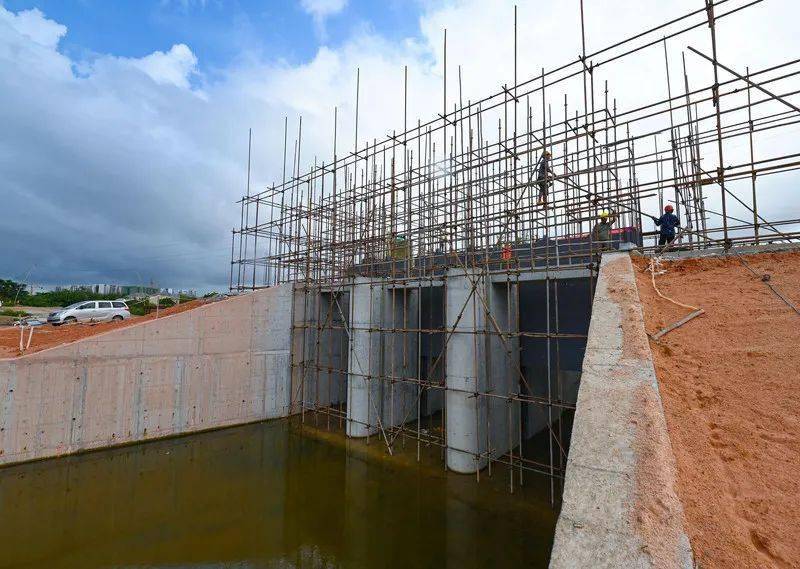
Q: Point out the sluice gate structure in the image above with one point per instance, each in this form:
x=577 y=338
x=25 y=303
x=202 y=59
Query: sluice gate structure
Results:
x=443 y=275
x=446 y=291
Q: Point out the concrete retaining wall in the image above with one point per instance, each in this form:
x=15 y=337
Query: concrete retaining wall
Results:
x=620 y=507
x=222 y=364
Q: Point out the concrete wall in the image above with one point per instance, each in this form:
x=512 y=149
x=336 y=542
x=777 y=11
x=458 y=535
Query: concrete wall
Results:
x=620 y=507
x=222 y=364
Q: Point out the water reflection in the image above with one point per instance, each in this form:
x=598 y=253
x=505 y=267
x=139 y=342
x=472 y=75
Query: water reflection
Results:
x=267 y=495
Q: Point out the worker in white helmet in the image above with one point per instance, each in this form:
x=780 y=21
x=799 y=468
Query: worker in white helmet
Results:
x=601 y=234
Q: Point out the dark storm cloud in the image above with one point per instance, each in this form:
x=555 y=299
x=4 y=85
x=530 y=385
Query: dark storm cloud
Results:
x=106 y=176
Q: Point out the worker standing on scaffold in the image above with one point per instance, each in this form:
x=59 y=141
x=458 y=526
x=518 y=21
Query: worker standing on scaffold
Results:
x=542 y=172
x=667 y=223
x=602 y=229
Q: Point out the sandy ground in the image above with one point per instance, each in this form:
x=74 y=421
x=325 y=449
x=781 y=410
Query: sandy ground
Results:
x=730 y=384
x=49 y=336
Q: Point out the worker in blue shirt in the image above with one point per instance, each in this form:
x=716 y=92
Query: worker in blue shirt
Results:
x=667 y=222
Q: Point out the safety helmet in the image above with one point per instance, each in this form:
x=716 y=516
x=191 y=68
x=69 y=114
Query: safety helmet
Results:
x=603 y=214
x=668 y=208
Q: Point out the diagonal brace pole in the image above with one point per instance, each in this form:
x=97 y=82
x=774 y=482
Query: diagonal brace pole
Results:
x=747 y=80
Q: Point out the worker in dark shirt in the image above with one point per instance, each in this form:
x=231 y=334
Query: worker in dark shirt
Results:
x=542 y=173
x=601 y=233
x=667 y=224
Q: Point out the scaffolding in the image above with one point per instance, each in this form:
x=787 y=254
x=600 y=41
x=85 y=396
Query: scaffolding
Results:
x=414 y=251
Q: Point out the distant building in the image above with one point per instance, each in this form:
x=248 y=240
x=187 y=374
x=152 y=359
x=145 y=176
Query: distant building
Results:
x=107 y=289
x=119 y=290
x=128 y=290
x=176 y=292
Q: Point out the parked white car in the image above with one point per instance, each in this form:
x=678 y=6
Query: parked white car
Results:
x=90 y=311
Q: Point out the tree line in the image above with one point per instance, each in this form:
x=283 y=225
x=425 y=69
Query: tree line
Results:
x=12 y=292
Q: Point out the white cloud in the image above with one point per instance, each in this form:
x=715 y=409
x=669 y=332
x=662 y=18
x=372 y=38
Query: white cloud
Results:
x=322 y=9
x=174 y=67
x=116 y=171
x=33 y=25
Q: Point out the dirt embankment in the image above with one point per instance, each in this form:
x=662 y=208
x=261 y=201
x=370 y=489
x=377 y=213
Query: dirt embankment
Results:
x=49 y=336
x=730 y=384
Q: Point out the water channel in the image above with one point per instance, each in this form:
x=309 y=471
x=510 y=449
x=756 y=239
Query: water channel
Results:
x=272 y=495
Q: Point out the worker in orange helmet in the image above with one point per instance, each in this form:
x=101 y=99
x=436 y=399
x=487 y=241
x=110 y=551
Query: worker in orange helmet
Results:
x=667 y=222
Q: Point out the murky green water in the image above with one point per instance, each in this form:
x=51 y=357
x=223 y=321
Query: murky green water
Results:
x=267 y=495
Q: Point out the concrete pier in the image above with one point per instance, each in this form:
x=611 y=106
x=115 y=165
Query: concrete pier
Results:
x=478 y=426
x=380 y=348
x=364 y=365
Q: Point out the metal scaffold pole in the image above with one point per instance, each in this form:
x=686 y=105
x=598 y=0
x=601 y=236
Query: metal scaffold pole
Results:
x=414 y=257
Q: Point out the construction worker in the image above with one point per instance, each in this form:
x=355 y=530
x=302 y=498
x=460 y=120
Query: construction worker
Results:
x=602 y=229
x=667 y=222
x=542 y=172
x=400 y=248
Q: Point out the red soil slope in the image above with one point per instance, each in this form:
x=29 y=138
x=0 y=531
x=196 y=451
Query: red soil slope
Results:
x=730 y=384
x=49 y=336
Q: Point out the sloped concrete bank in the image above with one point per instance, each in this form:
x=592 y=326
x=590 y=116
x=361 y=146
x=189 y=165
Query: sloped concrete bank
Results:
x=218 y=365
x=620 y=505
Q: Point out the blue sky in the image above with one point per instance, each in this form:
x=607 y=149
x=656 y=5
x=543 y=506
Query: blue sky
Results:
x=218 y=31
x=123 y=147
x=146 y=105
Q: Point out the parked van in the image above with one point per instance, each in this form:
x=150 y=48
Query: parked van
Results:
x=90 y=311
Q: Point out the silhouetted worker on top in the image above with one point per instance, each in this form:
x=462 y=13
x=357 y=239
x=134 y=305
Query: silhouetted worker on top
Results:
x=667 y=224
x=542 y=172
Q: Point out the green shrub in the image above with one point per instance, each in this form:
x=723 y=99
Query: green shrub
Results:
x=12 y=312
x=139 y=307
x=65 y=297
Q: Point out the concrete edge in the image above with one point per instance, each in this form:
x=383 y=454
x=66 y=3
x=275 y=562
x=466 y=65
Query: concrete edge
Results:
x=114 y=330
x=152 y=439
x=620 y=504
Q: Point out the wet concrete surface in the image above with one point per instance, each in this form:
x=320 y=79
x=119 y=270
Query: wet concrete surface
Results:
x=272 y=495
